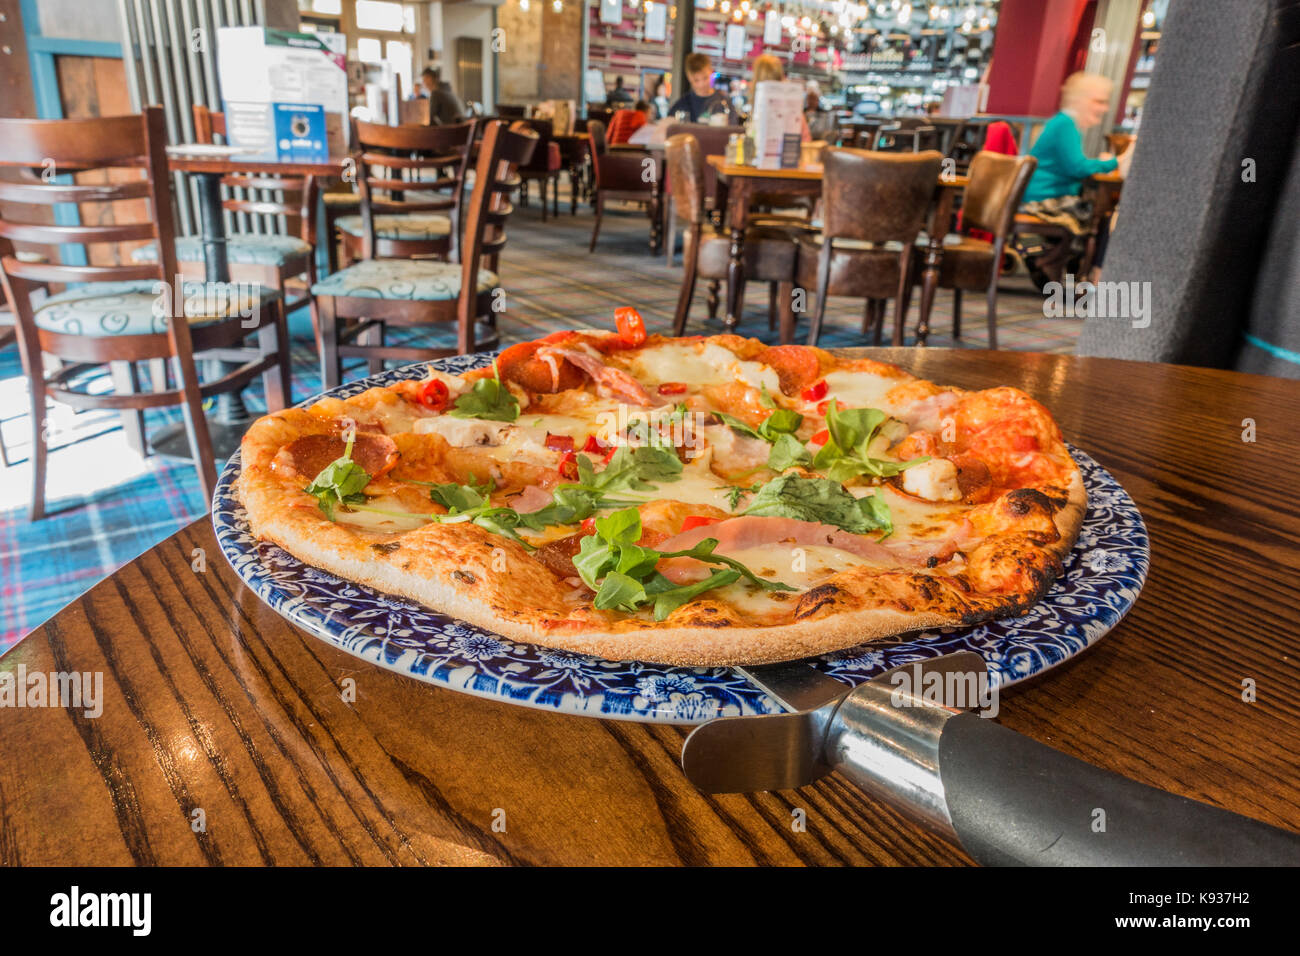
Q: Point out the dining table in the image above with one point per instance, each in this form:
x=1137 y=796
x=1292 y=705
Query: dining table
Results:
x=209 y=166
x=229 y=736
x=740 y=184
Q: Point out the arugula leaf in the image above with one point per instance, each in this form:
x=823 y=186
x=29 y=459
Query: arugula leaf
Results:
x=623 y=575
x=765 y=397
x=822 y=500
x=736 y=425
x=488 y=398
x=339 y=483
x=632 y=468
x=471 y=503
x=845 y=454
x=783 y=421
x=671 y=598
x=788 y=452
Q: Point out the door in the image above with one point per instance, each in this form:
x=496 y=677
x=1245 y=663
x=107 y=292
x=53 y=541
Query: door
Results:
x=469 y=68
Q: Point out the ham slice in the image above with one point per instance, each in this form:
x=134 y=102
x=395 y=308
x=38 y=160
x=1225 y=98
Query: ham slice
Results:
x=610 y=382
x=739 y=534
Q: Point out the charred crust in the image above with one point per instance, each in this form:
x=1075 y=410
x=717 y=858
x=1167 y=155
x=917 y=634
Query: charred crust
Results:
x=1025 y=501
x=814 y=599
x=465 y=577
x=386 y=547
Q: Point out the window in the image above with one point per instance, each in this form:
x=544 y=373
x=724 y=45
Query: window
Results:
x=368 y=50
x=382 y=15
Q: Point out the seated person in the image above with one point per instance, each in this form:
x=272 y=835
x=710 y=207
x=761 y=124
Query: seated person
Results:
x=701 y=101
x=444 y=106
x=626 y=122
x=618 y=96
x=1053 y=190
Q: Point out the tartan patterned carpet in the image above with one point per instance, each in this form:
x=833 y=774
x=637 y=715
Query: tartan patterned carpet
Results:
x=109 y=505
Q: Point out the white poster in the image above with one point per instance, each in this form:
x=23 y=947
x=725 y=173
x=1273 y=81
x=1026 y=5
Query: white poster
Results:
x=778 y=108
x=772 y=29
x=735 y=42
x=593 y=86
x=611 y=11
x=656 y=22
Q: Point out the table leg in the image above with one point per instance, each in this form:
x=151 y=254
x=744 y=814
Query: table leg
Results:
x=734 y=208
x=656 y=216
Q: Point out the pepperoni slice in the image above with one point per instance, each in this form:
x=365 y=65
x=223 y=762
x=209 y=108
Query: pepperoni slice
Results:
x=309 y=455
x=795 y=365
x=520 y=364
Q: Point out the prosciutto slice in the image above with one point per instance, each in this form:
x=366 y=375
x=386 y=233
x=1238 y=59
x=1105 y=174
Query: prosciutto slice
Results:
x=610 y=382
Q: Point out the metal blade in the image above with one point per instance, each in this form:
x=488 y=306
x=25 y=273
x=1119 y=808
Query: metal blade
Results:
x=784 y=751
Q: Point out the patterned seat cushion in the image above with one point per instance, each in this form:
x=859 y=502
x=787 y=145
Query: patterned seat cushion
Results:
x=409 y=226
x=416 y=279
x=341 y=200
x=245 y=249
x=141 y=307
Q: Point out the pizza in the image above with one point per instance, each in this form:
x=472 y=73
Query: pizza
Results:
x=707 y=500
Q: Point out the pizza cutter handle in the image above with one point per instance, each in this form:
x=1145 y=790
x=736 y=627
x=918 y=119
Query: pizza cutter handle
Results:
x=1010 y=800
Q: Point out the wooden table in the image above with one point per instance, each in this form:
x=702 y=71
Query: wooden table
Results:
x=231 y=419
x=739 y=185
x=212 y=701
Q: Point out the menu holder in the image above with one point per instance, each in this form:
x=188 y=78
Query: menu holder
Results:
x=778 y=114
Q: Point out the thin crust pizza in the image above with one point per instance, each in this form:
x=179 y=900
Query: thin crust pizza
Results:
x=692 y=501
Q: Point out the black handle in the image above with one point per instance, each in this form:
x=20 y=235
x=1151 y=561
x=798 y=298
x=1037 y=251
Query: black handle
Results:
x=1014 y=801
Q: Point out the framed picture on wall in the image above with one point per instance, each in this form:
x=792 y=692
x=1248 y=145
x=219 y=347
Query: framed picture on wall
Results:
x=611 y=11
x=735 y=49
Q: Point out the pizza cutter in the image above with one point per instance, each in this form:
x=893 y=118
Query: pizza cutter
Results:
x=1005 y=798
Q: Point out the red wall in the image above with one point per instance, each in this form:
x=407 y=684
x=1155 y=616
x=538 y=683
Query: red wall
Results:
x=1038 y=44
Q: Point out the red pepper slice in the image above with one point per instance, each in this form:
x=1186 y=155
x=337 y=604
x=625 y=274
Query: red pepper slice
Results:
x=433 y=394
x=672 y=388
x=822 y=437
x=609 y=453
x=569 y=466
x=559 y=442
x=822 y=407
x=593 y=444
x=697 y=521
x=815 y=391
x=630 y=326
x=589 y=525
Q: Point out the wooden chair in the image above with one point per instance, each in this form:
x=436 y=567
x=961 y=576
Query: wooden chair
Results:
x=122 y=314
x=402 y=212
x=419 y=292
x=545 y=166
x=270 y=258
x=874 y=206
x=706 y=251
x=713 y=142
x=992 y=197
x=618 y=176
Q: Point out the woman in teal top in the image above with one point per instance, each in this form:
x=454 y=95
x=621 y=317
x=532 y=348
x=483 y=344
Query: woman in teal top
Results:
x=1053 y=190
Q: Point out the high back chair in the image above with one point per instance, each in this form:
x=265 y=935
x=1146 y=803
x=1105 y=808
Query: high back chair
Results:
x=706 y=251
x=972 y=263
x=269 y=258
x=402 y=212
x=124 y=313
x=713 y=142
x=617 y=176
x=420 y=292
x=874 y=205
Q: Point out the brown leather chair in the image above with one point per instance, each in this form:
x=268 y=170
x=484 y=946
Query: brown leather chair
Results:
x=545 y=166
x=875 y=204
x=996 y=186
x=706 y=252
x=618 y=176
x=713 y=142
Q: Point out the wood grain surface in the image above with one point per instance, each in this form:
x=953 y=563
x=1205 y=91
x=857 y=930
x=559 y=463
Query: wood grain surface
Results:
x=212 y=702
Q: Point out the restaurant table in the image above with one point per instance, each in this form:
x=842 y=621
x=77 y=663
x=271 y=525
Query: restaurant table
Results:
x=738 y=185
x=231 y=420
x=213 y=702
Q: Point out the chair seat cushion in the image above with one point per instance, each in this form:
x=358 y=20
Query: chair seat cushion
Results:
x=338 y=201
x=135 y=308
x=413 y=226
x=242 y=250
x=858 y=268
x=416 y=279
x=967 y=262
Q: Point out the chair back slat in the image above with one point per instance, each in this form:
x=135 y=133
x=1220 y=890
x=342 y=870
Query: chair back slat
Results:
x=875 y=196
x=42 y=195
x=58 y=235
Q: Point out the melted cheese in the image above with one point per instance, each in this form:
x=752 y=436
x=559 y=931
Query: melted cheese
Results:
x=699 y=366
x=377 y=523
x=915 y=519
x=859 y=389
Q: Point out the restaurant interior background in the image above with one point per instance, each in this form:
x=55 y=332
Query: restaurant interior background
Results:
x=1220 y=265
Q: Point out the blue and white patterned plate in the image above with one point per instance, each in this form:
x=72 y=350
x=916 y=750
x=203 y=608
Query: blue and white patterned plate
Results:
x=1103 y=576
